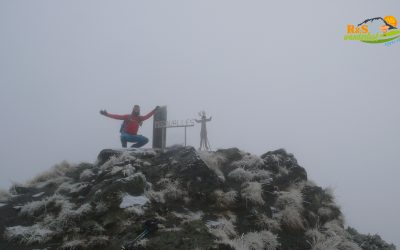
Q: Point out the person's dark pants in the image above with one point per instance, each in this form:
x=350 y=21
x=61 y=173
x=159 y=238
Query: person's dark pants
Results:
x=138 y=140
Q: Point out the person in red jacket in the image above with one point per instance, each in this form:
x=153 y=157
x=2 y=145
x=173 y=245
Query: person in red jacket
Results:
x=130 y=126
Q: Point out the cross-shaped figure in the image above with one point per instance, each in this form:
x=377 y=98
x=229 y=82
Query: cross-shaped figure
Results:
x=204 y=143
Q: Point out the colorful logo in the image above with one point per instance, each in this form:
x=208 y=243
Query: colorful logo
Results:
x=374 y=30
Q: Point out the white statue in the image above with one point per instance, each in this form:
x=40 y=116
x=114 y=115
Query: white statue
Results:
x=204 y=143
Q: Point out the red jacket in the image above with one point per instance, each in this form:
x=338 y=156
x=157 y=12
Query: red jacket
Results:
x=131 y=121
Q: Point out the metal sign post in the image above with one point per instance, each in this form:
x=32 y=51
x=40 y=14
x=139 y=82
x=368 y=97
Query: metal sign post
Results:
x=164 y=124
x=159 y=133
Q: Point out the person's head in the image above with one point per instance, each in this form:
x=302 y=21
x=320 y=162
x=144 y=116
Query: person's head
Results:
x=136 y=110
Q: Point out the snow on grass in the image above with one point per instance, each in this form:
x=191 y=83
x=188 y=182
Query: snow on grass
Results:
x=189 y=216
x=325 y=212
x=263 y=176
x=336 y=227
x=115 y=170
x=128 y=170
x=241 y=175
x=136 y=176
x=36 y=207
x=72 y=188
x=68 y=216
x=225 y=199
x=290 y=218
x=263 y=240
x=214 y=161
x=58 y=170
x=86 y=175
x=141 y=151
x=93 y=242
x=58 y=212
x=223 y=229
x=283 y=171
x=126 y=157
x=156 y=196
x=74 y=244
x=290 y=198
x=270 y=224
x=142 y=243
x=275 y=157
x=249 y=162
x=146 y=164
x=170 y=190
x=28 y=235
x=291 y=205
x=332 y=237
x=252 y=192
x=101 y=207
x=111 y=162
x=172 y=229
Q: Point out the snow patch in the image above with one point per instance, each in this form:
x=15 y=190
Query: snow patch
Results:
x=134 y=204
x=28 y=235
x=132 y=201
x=38 y=194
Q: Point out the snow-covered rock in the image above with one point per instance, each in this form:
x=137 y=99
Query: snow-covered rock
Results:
x=222 y=200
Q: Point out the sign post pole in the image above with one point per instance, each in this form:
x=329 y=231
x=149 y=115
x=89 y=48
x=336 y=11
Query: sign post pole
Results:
x=185 y=136
x=159 y=133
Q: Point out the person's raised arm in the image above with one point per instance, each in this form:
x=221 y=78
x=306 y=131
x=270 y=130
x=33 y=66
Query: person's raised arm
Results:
x=145 y=117
x=118 y=117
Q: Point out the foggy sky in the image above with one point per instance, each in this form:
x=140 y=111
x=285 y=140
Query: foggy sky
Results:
x=272 y=74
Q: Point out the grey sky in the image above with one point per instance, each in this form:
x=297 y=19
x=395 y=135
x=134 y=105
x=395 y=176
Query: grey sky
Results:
x=272 y=75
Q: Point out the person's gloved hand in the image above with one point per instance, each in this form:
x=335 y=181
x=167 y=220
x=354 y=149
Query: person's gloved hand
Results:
x=103 y=112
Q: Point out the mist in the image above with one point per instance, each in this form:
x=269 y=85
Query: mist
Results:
x=272 y=75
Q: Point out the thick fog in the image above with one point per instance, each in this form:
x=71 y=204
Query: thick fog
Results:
x=271 y=74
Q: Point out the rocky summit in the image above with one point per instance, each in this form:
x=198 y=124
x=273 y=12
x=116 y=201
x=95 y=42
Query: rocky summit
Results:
x=177 y=198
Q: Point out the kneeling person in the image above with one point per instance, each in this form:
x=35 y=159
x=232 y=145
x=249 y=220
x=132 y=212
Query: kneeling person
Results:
x=130 y=126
